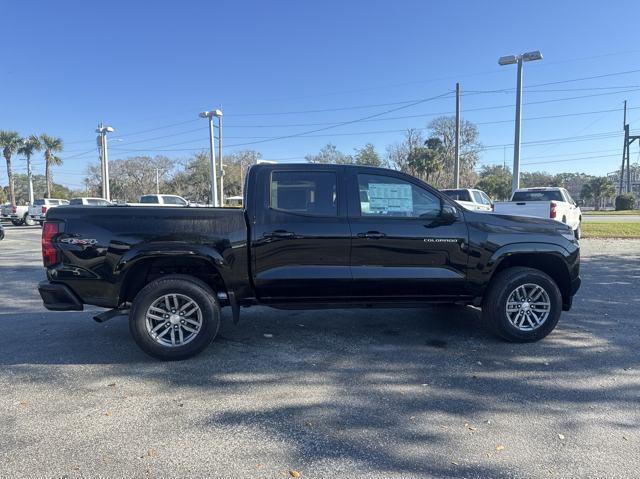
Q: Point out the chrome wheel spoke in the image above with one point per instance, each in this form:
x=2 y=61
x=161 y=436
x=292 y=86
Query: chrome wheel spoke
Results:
x=528 y=306
x=168 y=322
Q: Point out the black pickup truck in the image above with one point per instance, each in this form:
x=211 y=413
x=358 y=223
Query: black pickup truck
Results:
x=310 y=236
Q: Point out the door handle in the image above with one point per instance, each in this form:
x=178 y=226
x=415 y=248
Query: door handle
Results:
x=279 y=234
x=371 y=235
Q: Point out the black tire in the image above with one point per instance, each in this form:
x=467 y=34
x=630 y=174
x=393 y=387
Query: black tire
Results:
x=28 y=220
x=495 y=303
x=17 y=222
x=188 y=286
x=1 y=234
x=578 y=231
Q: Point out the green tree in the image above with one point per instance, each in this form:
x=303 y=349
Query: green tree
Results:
x=131 y=178
x=367 y=155
x=428 y=160
x=329 y=154
x=495 y=181
x=532 y=179
x=236 y=165
x=194 y=182
x=10 y=142
x=444 y=128
x=598 y=189
x=39 y=188
x=51 y=145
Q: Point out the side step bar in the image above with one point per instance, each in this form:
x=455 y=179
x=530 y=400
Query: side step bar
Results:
x=112 y=313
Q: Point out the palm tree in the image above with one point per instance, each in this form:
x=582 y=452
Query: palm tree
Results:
x=598 y=188
x=28 y=146
x=10 y=142
x=51 y=145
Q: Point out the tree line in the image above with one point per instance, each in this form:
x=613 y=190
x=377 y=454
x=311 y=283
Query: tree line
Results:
x=429 y=156
x=12 y=143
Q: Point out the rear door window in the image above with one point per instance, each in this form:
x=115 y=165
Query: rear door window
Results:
x=148 y=199
x=304 y=192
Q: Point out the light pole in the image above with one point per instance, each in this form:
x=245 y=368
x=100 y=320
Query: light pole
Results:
x=218 y=114
x=509 y=60
x=212 y=154
x=102 y=130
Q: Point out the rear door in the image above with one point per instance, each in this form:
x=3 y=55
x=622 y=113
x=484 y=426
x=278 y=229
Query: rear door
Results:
x=402 y=246
x=300 y=234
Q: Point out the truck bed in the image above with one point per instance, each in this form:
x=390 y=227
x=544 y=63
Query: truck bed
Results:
x=105 y=243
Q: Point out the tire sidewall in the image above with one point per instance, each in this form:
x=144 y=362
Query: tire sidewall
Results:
x=509 y=284
x=204 y=298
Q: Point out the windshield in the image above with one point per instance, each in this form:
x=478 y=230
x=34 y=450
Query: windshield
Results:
x=540 y=195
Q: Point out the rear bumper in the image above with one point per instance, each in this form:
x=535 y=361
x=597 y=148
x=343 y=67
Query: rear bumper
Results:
x=59 y=297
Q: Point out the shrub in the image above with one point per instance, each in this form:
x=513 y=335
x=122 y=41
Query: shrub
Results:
x=625 y=202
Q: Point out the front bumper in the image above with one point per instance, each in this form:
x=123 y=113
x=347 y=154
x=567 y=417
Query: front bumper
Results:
x=59 y=297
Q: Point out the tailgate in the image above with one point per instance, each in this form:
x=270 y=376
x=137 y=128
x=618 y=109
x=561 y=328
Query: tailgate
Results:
x=537 y=209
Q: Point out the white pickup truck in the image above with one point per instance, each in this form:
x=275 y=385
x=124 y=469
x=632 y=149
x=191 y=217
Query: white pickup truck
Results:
x=475 y=200
x=549 y=202
x=39 y=209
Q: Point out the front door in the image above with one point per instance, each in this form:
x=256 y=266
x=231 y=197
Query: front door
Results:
x=402 y=245
x=301 y=237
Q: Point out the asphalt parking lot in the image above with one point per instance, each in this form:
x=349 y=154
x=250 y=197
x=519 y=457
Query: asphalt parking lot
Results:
x=345 y=393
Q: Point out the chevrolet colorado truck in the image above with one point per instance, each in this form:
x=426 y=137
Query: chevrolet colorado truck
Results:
x=309 y=236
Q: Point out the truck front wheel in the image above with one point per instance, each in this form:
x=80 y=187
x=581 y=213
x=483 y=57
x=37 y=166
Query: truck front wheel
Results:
x=522 y=304
x=174 y=317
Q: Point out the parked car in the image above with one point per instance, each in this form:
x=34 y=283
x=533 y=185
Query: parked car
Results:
x=549 y=202
x=164 y=200
x=20 y=216
x=5 y=211
x=38 y=210
x=89 y=202
x=309 y=236
x=1 y=232
x=475 y=200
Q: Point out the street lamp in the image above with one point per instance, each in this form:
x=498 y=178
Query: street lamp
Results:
x=509 y=60
x=102 y=131
x=212 y=153
x=218 y=115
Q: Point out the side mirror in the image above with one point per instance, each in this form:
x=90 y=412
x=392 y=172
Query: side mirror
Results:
x=448 y=212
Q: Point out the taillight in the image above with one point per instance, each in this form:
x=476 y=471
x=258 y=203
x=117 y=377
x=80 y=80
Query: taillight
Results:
x=43 y=210
x=14 y=209
x=50 y=255
x=552 y=209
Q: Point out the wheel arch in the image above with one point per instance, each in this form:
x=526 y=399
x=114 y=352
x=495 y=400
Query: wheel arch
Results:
x=141 y=271
x=550 y=261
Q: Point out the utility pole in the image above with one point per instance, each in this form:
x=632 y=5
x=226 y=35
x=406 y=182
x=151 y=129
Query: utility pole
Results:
x=456 y=168
x=220 y=157
x=157 y=181
x=212 y=155
x=103 y=130
x=628 y=139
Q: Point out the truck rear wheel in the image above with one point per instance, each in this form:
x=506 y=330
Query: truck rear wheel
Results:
x=174 y=317
x=522 y=304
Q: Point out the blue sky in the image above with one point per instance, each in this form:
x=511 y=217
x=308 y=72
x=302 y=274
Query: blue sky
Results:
x=148 y=68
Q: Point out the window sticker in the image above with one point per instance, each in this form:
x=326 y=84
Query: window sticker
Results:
x=387 y=198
